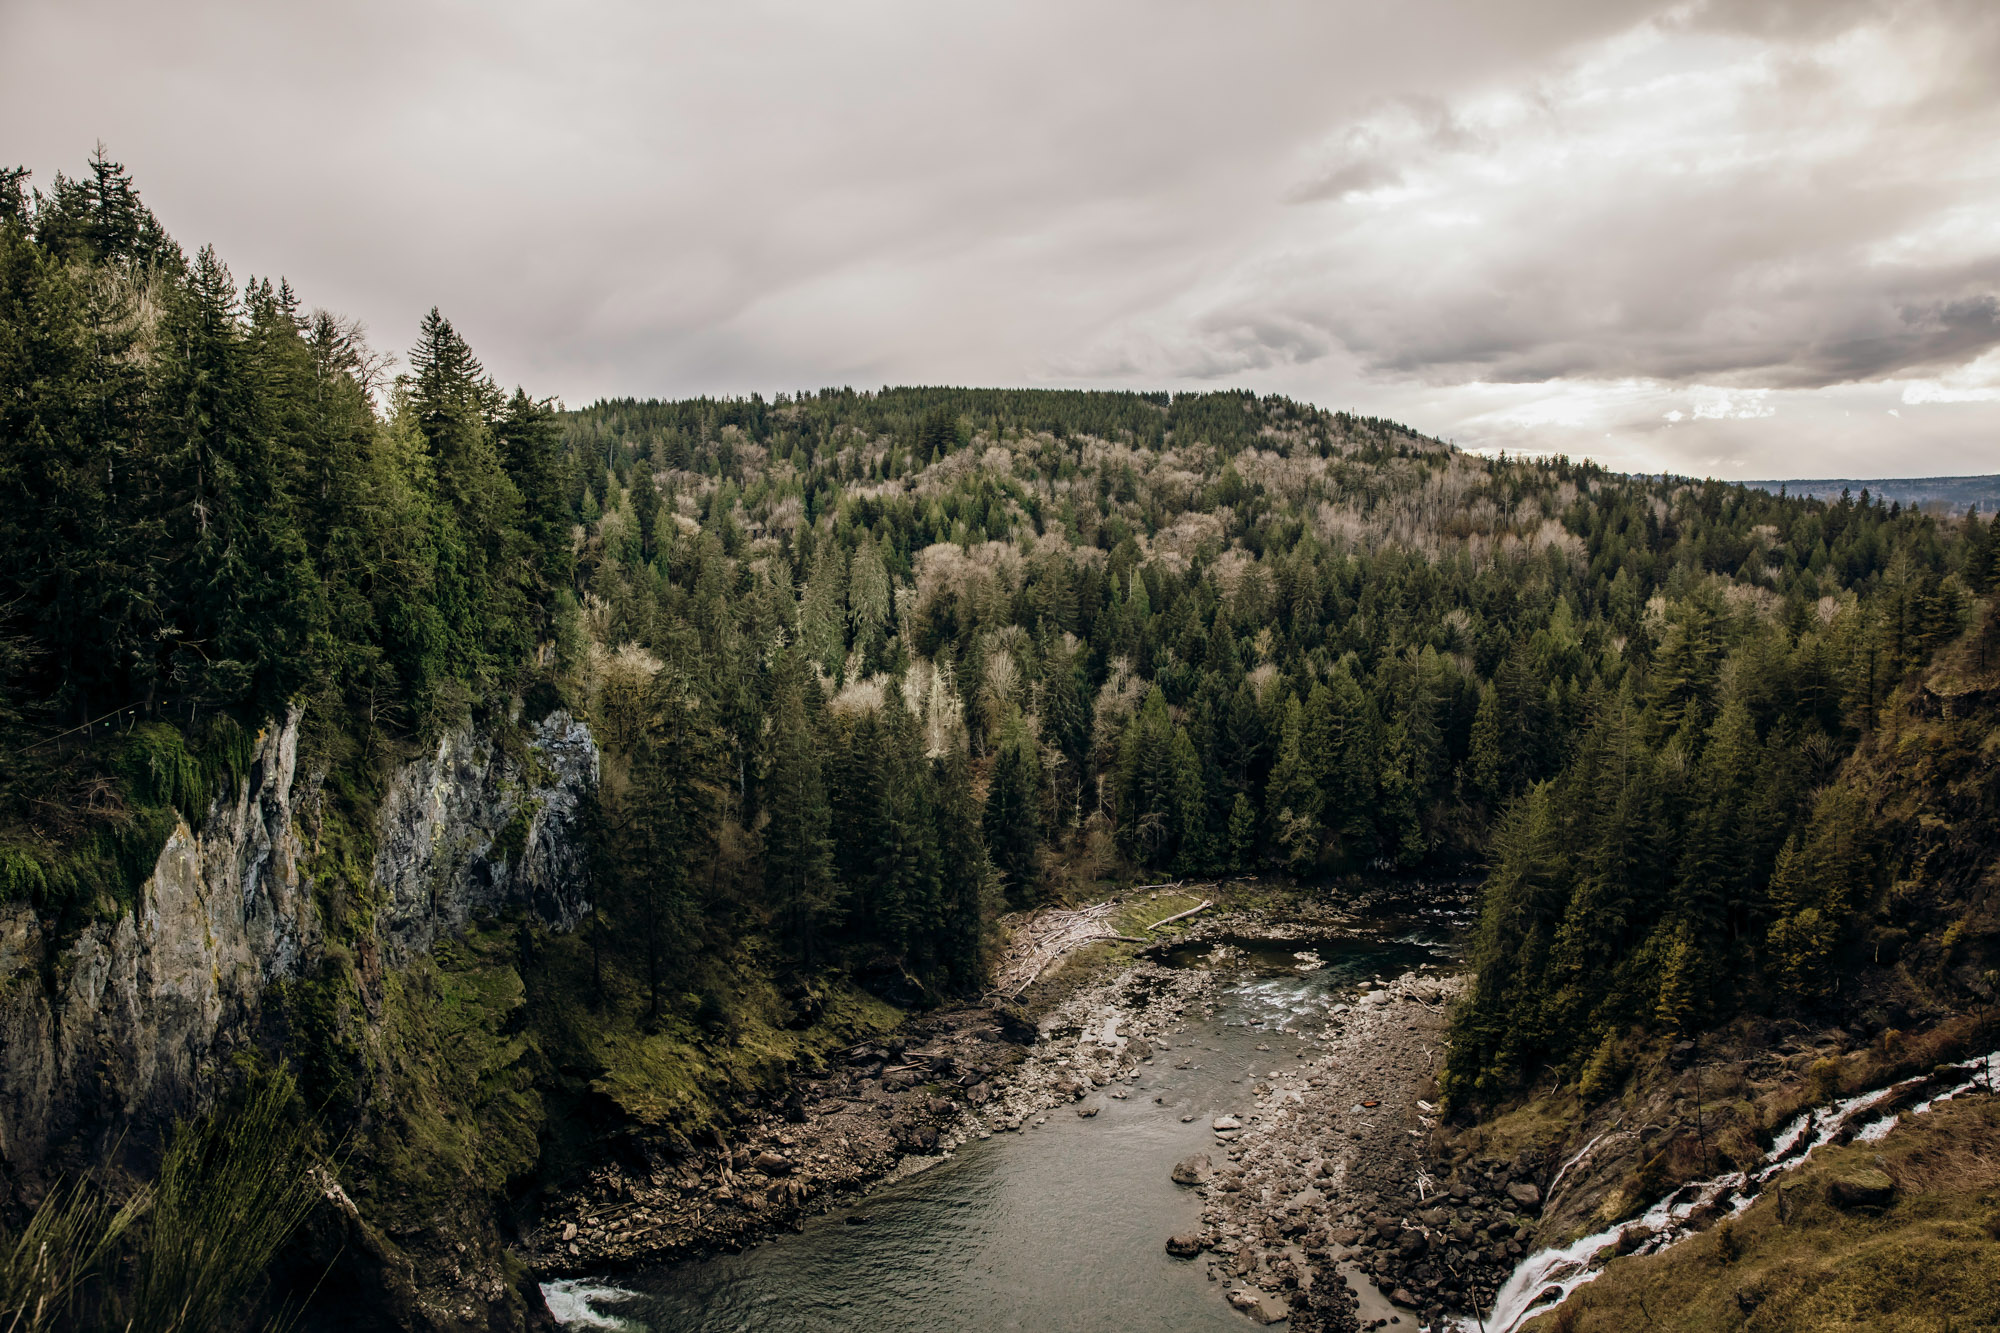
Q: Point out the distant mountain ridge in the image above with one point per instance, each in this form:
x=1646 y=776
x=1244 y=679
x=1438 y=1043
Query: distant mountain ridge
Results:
x=1954 y=493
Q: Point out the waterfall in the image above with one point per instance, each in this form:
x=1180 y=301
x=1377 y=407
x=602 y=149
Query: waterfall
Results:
x=1573 y=1265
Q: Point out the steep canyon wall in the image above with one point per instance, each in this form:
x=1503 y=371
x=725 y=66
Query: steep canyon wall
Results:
x=109 y=1034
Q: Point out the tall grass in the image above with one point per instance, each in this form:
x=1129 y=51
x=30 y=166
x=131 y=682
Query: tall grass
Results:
x=231 y=1192
x=187 y=1254
x=45 y=1273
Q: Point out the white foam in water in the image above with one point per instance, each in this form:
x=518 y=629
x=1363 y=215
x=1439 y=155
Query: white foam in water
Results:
x=1574 y=1264
x=1788 y=1137
x=574 y=1301
x=1582 y=1153
x=1983 y=1081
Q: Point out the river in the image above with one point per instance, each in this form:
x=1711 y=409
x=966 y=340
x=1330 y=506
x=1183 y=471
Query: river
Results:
x=1059 y=1227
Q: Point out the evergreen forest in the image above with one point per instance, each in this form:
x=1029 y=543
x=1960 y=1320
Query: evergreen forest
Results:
x=871 y=668
x=1003 y=640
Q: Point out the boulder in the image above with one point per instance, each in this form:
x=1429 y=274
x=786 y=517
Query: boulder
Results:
x=1089 y=1107
x=1270 y=1309
x=1631 y=1238
x=1222 y=1122
x=1411 y=1245
x=1193 y=1170
x=1525 y=1195
x=1706 y=1216
x=1015 y=1025
x=1864 y=1187
x=772 y=1164
x=1184 y=1246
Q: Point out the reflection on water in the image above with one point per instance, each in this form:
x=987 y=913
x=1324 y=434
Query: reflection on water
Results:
x=1343 y=958
x=1060 y=1227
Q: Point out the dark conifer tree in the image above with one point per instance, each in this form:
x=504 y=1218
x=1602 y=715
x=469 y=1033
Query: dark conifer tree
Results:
x=530 y=447
x=74 y=573
x=798 y=849
x=967 y=877
x=1292 y=801
x=666 y=830
x=1009 y=820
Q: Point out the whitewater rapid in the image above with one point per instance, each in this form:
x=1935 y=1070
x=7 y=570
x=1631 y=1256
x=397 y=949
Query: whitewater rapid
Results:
x=1547 y=1277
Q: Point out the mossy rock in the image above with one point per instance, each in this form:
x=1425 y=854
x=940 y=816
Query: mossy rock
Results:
x=1015 y=1023
x=1860 y=1187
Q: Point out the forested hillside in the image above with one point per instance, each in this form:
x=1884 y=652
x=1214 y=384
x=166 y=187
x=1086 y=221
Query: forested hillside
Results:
x=869 y=667
x=1201 y=633
x=1227 y=634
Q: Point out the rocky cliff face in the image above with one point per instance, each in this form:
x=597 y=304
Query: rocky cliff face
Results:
x=468 y=830
x=125 y=1025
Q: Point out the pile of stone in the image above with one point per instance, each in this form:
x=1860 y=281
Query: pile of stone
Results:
x=1093 y=1045
x=1444 y=1258
x=887 y=1109
x=1319 y=1202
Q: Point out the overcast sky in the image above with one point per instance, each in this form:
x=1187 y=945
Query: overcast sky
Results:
x=1755 y=239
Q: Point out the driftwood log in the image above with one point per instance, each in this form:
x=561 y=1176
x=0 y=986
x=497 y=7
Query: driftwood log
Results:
x=1178 y=915
x=1046 y=937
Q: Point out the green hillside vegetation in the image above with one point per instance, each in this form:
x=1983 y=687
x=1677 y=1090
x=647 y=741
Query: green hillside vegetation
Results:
x=1928 y=1259
x=1196 y=634
x=1783 y=842
x=869 y=668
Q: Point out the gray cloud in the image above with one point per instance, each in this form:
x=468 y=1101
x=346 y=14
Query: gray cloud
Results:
x=1785 y=217
x=1377 y=206
x=1338 y=182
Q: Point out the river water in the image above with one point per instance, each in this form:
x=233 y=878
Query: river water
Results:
x=1060 y=1227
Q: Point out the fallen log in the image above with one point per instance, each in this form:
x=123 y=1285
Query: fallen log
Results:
x=1178 y=915
x=1048 y=937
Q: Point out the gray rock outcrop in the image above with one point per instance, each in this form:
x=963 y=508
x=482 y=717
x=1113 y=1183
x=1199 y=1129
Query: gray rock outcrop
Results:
x=127 y=1020
x=467 y=831
x=124 y=1024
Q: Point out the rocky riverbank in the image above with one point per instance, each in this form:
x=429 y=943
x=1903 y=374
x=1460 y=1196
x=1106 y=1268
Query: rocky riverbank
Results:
x=1317 y=1203
x=892 y=1109
x=1319 y=1207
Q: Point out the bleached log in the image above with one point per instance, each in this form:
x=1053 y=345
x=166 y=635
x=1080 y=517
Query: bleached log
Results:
x=1178 y=915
